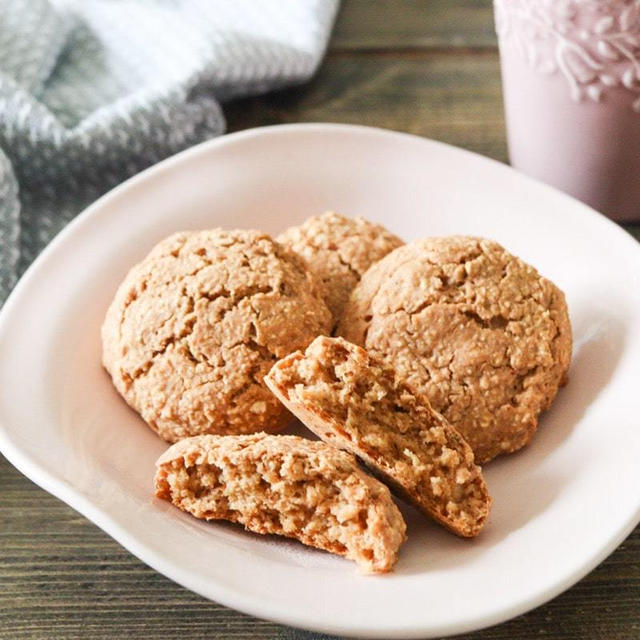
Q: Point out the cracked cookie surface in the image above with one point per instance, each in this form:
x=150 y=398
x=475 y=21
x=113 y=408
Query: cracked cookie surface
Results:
x=289 y=486
x=477 y=330
x=195 y=326
x=354 y=401
x=338 y=251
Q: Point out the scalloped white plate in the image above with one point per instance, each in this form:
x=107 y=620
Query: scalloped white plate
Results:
x=561 y=506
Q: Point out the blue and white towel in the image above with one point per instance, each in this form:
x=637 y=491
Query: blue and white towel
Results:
x=93 y=91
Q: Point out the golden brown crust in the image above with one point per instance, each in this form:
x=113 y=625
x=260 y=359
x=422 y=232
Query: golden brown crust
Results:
x=288 y=486
x=477 y=330
x=338 y=251
x=196 y=325
x=353 y=401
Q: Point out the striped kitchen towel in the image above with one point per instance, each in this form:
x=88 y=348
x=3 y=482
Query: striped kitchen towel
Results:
x=93 y=91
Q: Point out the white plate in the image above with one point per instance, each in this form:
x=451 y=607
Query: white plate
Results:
x=561 y=506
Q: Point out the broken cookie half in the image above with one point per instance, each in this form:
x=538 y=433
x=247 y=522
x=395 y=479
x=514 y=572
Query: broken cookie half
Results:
x=285 y=485
x=354 y=401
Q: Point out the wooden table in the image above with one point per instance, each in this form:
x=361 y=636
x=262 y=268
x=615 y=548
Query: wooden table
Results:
x=428 y=67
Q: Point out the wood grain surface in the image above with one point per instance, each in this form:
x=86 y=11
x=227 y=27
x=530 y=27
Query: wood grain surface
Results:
x=429 y=67
x=366 y=25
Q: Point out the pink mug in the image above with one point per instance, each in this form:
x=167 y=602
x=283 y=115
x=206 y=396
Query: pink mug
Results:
x=571 y=82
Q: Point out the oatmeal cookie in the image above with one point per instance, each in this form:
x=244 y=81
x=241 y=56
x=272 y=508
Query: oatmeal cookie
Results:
x=196 y=325
x=354 y=401
x=338 y=251
x=481 y=333
x=288 y=486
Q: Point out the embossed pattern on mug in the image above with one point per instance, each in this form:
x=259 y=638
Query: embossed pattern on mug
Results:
x=593 y=44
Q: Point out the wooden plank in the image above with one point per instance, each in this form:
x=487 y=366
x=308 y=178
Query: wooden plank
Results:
x=405 y=24
x=62 y=577
x=456 y=99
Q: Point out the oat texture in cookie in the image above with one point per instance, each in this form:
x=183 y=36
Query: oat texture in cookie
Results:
x=354 y=401
x=481 y=333
x=338 y=251
x=196 y=325
x=288 y=486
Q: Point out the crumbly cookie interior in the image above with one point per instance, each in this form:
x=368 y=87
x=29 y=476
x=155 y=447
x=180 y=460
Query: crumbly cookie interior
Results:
x=288 y=486
x=362 y=404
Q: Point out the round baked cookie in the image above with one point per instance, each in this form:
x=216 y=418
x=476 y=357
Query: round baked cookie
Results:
x=338 y=251
x=197 y=324
x=481 y=333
